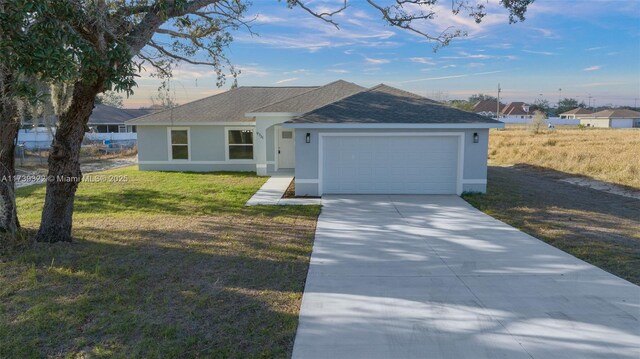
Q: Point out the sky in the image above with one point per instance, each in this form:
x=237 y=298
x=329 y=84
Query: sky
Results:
x=583 y=49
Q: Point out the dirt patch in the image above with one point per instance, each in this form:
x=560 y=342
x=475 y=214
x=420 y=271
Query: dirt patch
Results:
x=37 y=174
x=603 y=186
x=598 y=227
x=291 y=191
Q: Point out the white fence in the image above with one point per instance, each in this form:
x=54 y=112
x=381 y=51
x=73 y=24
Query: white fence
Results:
x=40 y=138
x=552 y=120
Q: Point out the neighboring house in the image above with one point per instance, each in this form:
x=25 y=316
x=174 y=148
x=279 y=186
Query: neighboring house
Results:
x=488 y=108
x=575 y=113
x=614 y=118
x=109 y=119
x=105 y=123
x=516 y=111
x=338 y=138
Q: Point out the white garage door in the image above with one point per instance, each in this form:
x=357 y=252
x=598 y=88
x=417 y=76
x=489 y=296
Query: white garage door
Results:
x=390 y=164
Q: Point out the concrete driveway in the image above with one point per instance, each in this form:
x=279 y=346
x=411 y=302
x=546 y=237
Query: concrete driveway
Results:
x=432 y=277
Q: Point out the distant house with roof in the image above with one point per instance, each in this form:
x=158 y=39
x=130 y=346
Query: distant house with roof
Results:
x=613 y=118
x=575 y=113
x=109 y=119
x=488 y=108
x=516 y=111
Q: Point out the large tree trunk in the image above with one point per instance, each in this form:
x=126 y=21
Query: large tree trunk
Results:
x=9 y=126
x=64 y=165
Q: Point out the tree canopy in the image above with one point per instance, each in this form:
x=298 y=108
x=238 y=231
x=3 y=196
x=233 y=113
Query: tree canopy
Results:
x=567 y=104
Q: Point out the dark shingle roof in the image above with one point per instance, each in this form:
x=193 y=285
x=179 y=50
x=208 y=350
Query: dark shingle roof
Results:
x=313 y=99
x=229 y=106
x=104 y=114
x=515 y=108
x=614 y=113
x=578 y=111
x=385 y=104
x=488 y=106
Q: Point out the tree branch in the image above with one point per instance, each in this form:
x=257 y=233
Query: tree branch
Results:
x=172 y=55
x=324 y=16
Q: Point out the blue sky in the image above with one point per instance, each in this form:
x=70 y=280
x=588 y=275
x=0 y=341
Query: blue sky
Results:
x=584 y=47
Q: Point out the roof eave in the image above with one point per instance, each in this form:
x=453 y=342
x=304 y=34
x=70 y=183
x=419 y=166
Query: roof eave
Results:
x=273 y=114
x=194 y=123
x=481 y=125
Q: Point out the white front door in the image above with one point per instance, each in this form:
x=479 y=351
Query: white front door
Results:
x=286 y=148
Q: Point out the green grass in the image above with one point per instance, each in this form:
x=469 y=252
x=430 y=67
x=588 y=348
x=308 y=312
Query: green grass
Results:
x=165 y=265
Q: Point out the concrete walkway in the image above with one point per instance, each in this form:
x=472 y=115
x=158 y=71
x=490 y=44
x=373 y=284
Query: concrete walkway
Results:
x=272 y=191
x=432 y=277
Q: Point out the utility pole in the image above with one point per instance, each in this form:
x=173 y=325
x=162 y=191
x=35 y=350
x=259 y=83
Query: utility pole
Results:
x=559 y=96
x=590 y=101
x=498 y=104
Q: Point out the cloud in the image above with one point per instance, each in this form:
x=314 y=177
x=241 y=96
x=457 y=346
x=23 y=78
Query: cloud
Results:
x=601 y=84
x=286 y=80
x=449 y=77
x=500 y=46
x=466 y=55
x=339 y=71
x=298 y=71
x=251 y=70
x=446 y=21
x=596 y=48
x=592 y=68
x=422 y=60
x=546 y=53
x=545 y=32
x=373 y=61
x=300 y=31
x=267 y=19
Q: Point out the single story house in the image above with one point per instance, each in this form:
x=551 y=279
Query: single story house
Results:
x=339 y=138
x=516 y=111
x=109 y=119
x=488 y=108
x=614 y=118
x=575 y=113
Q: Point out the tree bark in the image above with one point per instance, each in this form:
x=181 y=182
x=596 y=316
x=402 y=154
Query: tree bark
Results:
x=9 y=126
x=64 y=173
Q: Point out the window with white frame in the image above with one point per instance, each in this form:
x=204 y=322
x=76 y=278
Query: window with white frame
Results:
x=179 y=144
x=240 y=144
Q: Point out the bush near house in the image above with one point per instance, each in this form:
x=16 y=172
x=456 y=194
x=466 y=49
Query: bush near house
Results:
x=164 y=265
x=611 y=155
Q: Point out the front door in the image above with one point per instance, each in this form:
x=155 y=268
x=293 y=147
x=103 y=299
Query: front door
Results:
x=286 y=148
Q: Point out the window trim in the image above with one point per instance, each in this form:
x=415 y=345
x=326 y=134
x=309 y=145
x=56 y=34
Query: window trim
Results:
x=170 y=145
x=253 y=145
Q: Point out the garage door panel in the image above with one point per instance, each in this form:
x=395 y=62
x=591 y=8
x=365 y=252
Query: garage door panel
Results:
x=390 y=164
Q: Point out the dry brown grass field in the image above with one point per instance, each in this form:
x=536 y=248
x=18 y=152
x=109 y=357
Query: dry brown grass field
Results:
x=611 y=155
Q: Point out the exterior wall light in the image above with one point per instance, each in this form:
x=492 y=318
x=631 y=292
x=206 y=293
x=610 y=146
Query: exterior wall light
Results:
x=307 y=138
x=476 y=138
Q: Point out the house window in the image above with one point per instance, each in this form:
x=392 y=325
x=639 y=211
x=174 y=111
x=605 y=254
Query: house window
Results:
x=107 y=128
x=179 y=144
x=240 y=143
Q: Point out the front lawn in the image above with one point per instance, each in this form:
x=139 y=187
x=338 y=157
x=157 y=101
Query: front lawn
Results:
x=164 y=265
